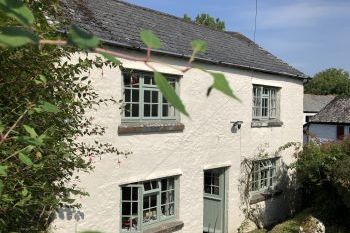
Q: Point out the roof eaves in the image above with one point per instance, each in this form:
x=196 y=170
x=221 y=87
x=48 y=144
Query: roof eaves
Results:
x=115 y=43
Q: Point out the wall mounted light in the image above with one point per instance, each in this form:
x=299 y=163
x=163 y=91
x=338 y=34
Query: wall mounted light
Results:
x=236 y=125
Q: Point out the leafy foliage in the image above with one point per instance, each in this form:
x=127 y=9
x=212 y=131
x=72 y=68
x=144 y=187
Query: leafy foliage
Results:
x=329 y=82
x=150 y=39
x=42 y=112
x=169 y=92
x=324 y=173
x=207 y=20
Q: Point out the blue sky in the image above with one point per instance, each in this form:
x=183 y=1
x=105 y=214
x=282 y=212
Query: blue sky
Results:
x=311 y=35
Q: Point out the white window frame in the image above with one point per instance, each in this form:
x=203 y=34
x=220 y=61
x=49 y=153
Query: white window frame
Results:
x=160 y=192
x=265 y=102
x=142 y=87
x=264 y=174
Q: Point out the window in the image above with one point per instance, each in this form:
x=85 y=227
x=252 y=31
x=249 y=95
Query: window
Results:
x=265 y=102
x=212 y=182
x=146 y=203
x=263 y=174
x=143 y=100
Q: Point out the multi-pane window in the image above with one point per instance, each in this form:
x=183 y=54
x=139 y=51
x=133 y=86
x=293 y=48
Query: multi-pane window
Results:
x=212 y=182
x=143 y=100
x=263 y=174
x=265 y=102
x=146 y=203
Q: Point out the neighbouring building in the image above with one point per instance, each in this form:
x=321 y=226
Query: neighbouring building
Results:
x=331 y=123
x=184 y=173
x=314 y=103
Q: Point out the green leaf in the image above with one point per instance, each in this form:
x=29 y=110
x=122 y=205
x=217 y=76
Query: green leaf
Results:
x=81 y=38
x=17 y=10
x=15 y=37
x=25 y=159
x=198 y=46
x=221 y=84
x=31 y=131
x=1 y=187
x=2 y=127
x=169 y=93
x=47 y=107
x=3 y=170
x=111 y=58
x=41 y=79
x=150 y=39
x=24 y=192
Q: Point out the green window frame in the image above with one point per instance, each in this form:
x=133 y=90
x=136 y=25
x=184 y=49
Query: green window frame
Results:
x=143 y=101
x=265 y=102
x=147 y=203
x=264 y=174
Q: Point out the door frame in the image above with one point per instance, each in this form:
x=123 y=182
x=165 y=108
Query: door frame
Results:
x=225 y=171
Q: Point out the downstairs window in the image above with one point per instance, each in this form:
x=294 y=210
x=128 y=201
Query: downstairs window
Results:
x=263 y=176
x=147 y=203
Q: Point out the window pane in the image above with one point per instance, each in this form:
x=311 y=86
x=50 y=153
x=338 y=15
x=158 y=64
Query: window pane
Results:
x=126 y=223
x=135 y=110
x=153 y=200
x=126 y=208
x=134 y=208
x=154 y=97
x=147 y=186
x=147 y=79
x=147 y=110
x=165 y=110
x=216 y=191
x=135 y=194
x=154 y=184
x=147 y=96
x=127 y=95
x=154 y=110
x=126 y=193
x=146 y=202
x=135 y=95
x=164 y=184
x=171 y=183
x=127 y=109
x=207 y=189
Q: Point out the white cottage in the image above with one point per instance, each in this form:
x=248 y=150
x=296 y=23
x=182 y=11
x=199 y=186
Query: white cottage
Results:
x=331 y=123
x=184 y=173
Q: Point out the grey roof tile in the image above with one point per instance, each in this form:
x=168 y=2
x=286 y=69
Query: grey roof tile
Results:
x=337 y=111
x=314 y=103
x=121 y=22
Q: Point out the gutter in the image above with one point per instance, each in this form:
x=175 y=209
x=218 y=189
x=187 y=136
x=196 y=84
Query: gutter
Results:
x=114 y=43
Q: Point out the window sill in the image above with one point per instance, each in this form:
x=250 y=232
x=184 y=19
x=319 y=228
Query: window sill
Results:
x=266 y=123
x=263 y=196
x=167 y=227
x=150 y=127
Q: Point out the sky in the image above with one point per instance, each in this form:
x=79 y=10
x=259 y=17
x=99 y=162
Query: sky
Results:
x=311 y=35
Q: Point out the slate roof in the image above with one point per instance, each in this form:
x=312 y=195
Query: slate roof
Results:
x=337 y=111
x=120 y=23
x=314 y=103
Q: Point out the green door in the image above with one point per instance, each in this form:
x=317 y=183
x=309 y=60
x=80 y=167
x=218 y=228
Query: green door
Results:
x=214 y=201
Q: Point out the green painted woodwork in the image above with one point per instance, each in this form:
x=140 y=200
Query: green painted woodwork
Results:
x=214 y=201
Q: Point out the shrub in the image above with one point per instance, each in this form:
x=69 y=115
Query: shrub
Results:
x=324 y=173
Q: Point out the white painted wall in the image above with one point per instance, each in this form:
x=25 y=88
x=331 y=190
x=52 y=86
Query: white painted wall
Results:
x=207 y=141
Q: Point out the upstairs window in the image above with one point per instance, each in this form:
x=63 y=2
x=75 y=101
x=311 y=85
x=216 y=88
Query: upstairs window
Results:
x=146 y=203
x=263 y=174
x=143 y=100
x=265 y=102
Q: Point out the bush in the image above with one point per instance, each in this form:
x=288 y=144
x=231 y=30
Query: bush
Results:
x=324 y=173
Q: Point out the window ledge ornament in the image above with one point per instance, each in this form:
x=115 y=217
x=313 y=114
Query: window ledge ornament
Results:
x=266 y=123
x=150 y=127
x=166 y=227
x=263 y=196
